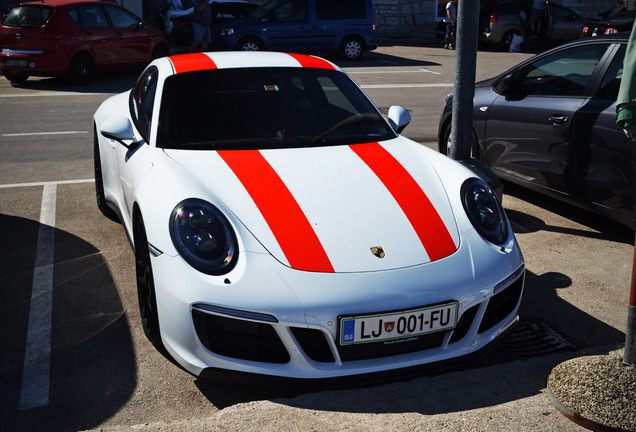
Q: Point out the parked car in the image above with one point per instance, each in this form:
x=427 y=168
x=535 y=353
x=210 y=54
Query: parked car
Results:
x=549 y=124
x=282 y=227
x=618 y=22
x=178 y=22
x=74 y=39
x=500 y=20
x=307 y=26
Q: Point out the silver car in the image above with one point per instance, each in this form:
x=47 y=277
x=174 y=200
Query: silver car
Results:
x=501 y=20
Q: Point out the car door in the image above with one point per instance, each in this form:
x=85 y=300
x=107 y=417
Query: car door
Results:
x=134 y=43
x=287 y=28
x=603 y=167
x=566 y=24
x=97 y=33
x=528 y=130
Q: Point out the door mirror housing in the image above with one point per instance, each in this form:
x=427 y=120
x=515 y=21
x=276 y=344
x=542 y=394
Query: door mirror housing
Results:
x=399 y=118
x=119 y=129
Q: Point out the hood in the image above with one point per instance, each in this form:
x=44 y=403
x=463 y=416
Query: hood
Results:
x=356 y=208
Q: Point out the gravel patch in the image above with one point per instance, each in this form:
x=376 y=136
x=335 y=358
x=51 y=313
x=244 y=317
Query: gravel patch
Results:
x=596 y=392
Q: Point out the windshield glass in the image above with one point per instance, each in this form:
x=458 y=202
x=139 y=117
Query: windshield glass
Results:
x=266 y=108
x=27 y=16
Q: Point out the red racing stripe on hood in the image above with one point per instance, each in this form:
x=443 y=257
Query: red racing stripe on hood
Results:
x=419 y=210
x=283 y=215
x=311 y=62
x=191 y=62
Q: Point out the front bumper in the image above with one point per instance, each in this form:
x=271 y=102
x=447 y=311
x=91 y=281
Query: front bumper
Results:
x=269 y=320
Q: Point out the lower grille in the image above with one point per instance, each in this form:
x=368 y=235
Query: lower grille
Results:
x=502 y=304
x=241 y=339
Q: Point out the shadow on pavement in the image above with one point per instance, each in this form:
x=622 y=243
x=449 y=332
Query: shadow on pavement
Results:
x=92 y=360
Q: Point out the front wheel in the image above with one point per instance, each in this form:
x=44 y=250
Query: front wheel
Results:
x=146 y=285
x=352 y=48
x=445 y=144
x=249 y=44
x=16 y=77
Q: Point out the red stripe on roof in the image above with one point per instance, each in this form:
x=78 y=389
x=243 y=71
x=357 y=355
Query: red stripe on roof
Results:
x=311 y=61
x=419 y=210
x=283 y=215
x=191 y=62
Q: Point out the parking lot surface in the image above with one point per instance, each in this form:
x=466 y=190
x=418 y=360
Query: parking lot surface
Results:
x=104 y=375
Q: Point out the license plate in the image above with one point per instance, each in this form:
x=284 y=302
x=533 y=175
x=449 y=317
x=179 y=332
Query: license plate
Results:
x=397 y=325
x=15 y=63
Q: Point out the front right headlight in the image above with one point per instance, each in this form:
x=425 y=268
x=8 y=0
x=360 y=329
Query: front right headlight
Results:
x=204 y=237
x=485 y=211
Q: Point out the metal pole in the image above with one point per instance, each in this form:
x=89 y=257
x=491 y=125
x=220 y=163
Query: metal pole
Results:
x=629 y=356
x=465 y=66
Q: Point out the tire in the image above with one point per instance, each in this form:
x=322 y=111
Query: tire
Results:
x=99 y=181
x=249 y=44
x=80 y=69
x=160 y=51
x=146 y=285
x=444 y=142
x=352 y=48
x=16 y=77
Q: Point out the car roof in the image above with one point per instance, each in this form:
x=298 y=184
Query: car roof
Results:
x=57 y=3
x=242 y=59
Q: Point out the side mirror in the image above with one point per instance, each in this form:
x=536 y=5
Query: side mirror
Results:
x=506 y=85
x=119 y=129
x=399 y=118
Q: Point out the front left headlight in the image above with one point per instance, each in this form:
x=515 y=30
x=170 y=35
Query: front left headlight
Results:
x=204 y=237
x=485 y=211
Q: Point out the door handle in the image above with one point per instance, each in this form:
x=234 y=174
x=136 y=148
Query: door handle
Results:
x=558 y=119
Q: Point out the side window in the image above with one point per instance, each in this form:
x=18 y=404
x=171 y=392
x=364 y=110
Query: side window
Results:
x=565 y=73
x=121 y=18
x=89 y=16
x=142 y=101
x=293 y=10
x=340 y=9
x=612 y=79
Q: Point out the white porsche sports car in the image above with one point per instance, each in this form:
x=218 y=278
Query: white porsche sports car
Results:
x=282 y=226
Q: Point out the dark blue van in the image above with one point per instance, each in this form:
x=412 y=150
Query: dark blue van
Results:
x=345 y=27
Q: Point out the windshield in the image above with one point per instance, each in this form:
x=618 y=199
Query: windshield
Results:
x=266 y=108
x=27 y=16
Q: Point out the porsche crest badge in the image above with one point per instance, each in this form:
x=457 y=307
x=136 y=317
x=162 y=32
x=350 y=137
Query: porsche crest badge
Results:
x=378 y=251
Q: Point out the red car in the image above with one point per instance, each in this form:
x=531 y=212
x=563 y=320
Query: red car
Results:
x=74 y=38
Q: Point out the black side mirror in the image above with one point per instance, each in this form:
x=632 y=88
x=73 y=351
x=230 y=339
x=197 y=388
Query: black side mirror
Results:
x=506 y=85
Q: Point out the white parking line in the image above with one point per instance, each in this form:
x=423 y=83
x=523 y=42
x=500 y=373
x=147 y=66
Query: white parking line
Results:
x=37 y=357
x=60 y=182
x=389 y=86
x=392 y=72
x=43 y=133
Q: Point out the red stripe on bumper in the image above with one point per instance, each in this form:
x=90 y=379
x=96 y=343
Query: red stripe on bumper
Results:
x=419 y=210
x=283 y=215
x=192 y=62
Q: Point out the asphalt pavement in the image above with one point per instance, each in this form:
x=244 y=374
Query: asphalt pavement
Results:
x=574 y=307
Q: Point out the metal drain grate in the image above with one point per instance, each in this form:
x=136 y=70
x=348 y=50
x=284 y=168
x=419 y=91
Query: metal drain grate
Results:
x=533 y=339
